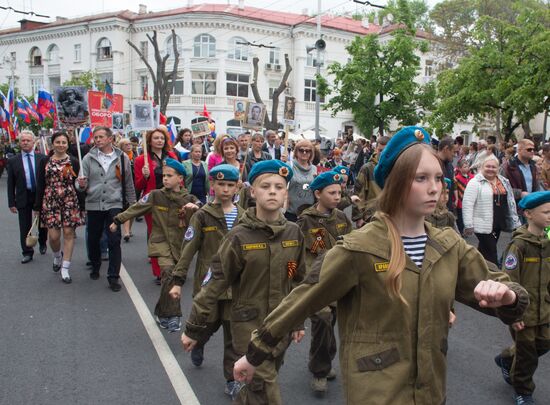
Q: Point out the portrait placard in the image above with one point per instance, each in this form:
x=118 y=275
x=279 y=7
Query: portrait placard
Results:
x=72 y=105
x=255 y=114
x=290 y=111
x=142 y=116
x=118 y=121
x=200 y=129
x=239 y=110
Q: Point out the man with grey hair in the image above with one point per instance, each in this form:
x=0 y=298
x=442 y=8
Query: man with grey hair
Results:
x=22 y=191
x=271 y=146
x=521 y=170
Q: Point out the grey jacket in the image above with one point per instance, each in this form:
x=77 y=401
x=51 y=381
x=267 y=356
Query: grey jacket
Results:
x=104 y=190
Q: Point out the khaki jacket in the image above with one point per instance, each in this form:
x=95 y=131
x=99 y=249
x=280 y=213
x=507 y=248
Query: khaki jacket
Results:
x=168 y=229
x=321 y=232
x=365 y=186
x=261 y=263
x=442 y=218
x=204 y=235
x=390 y=353
x=527 y=262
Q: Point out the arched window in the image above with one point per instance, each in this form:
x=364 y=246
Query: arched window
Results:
x=36 y=57
x=238 y=49
x=170 y=46
x=204 y=46
x=53 y=54
x=104 y=49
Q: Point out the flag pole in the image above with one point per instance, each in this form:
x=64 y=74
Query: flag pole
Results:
x=144 y=146
x=79 y=152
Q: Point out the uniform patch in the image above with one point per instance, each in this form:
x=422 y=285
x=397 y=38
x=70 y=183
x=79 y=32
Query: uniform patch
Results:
x=207 y=278
x=381 y=267
x=511 y=262
x=531 y=259
x=313 y=231
x=144 y=199
x=161 y=208
x=210 y=228
x=341 y=226
x=254 y=246
x=189 y=233
x=289 y=243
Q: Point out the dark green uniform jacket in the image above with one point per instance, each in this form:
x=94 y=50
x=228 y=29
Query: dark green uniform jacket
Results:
x=390 y=353
x=167 y=231
x=527 y=262
x=321 y=232
x=261 y=263
x=204 y=234
x=442 y=218
x=365 y=187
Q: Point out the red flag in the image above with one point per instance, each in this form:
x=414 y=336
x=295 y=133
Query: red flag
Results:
x=205 y=112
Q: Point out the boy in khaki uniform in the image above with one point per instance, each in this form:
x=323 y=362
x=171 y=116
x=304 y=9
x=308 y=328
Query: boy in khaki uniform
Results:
x=322 y=225
x=527 y=262
x=171 y=207
x=442 y=217
x=205 y=233
x=262 y=259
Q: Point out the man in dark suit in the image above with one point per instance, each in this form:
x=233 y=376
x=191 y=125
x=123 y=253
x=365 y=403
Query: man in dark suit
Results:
x=22 y=191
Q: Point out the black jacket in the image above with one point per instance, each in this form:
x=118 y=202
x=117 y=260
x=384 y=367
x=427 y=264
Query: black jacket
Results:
x=17 y=183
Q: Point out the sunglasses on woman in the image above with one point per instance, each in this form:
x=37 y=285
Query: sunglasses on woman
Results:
x=304 y=150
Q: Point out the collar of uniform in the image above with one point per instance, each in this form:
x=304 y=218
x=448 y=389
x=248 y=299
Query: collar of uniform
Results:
x=215 y=210
x=312 y=211
x=250 y=220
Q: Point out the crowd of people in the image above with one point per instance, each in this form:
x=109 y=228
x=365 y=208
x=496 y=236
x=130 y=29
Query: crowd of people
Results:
x=271 y=224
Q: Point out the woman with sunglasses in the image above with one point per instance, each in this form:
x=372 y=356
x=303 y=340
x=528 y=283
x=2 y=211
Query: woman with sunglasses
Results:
x=299 y=194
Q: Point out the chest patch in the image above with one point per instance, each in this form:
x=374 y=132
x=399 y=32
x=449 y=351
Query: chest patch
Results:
x=209 y=228
x=341 y=226
x=254 y=246
x=531 y=259
x=381 y=267
x=161 y=208
x=289 y=243
x=189 y=233
x=511 y=262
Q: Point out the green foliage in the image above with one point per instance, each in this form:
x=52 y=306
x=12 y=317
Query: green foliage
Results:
x=413 y=13
x=86 y=79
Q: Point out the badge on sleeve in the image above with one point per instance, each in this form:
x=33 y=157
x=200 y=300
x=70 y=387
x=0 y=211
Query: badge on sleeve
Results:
x=189 y=233
x=511 y=262
x=207 y=278
x=144 y=199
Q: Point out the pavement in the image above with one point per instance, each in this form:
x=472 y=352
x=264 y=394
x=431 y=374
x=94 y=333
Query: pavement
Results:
x=84 y=344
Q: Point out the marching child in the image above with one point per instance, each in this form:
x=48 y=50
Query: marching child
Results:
x=345 y=200
x=322 y=225
x=527 y=262
x=205 y=233
x=442 y=217
x=169 y=206
x=262 y=260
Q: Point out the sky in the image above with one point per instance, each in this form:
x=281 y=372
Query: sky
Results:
x=72 y=8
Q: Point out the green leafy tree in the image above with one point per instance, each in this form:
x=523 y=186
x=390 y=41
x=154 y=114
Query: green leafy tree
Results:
x=377 y=84
x=86 y=79
x=506 y=75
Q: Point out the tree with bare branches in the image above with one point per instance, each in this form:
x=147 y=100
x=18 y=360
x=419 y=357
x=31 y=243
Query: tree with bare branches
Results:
x=163 y=82
x=270 y=122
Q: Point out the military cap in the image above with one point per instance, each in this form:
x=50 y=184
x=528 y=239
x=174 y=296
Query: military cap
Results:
x=225 y=172
x=270 y=166
x=533 y=200
x=341 y=170
x=398 y=143
x=177 y=166
x=326 y=179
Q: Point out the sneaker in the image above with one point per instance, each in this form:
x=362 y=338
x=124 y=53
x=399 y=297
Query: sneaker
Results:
x=197 y=356
x=162 y=322
x=319 y=385
x=174 y=324
x=524 y=399
x=114 y=284
x=331 y=374
x=504 y=368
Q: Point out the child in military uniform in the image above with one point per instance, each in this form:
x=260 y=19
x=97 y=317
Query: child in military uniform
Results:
x=262 y=259
x=170 y=206
x=442 y=217
x=322 y=225
x=206 y=230
x=394 y=280
x=527 y=261
x=345 y=199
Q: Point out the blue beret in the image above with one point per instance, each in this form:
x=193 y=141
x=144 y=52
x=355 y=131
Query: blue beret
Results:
x=177 y=166
x=225 y=172
x=325 y=179
x=341 y=170
x=270 y=166
x=398 y=143
x=533 y=200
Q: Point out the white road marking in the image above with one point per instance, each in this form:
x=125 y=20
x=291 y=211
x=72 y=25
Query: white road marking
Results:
x=175 y=374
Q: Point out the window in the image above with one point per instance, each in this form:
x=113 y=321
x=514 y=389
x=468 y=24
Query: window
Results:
x=36 y=57
x=77 y=52
x=53 y=54
x=178 y=87
x=143 y=82
x=312 y=59
x=104 y=49
x=36 y=84
x=428 y=69
x=274 y=56
x=237 y=85
x=238 y=50
x=144 y=48
x=273 y=84
x=310 y=90
x=107 y=76
x=204 y=46
x=203 y=83
x=55 y=82
x=13 y=58
x=170 y=46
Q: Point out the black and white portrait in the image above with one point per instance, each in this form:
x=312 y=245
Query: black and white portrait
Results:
x=142 y=116
x=255 y=115
x=118 y=121
x=72 y=104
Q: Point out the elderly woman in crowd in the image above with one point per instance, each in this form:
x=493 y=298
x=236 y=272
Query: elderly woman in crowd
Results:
x=57 y=201
x=299 y=194
x=488 y=208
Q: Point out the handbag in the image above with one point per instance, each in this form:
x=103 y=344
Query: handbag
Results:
x=32 y=236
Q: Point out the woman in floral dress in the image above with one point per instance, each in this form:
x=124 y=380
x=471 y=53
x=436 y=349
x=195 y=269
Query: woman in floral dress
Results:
x=58 y=202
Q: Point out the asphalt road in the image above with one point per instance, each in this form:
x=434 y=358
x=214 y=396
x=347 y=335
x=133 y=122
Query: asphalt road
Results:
x=83 y=344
